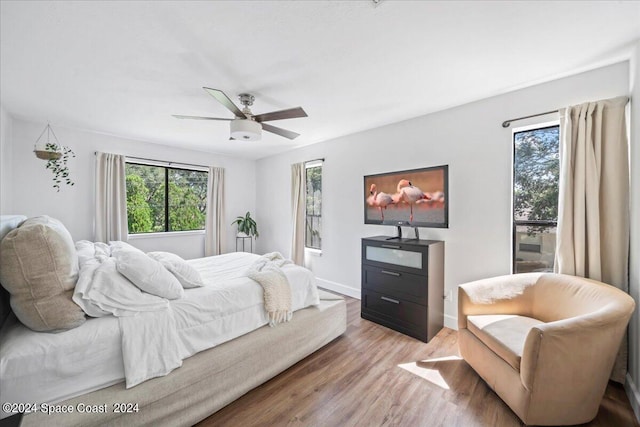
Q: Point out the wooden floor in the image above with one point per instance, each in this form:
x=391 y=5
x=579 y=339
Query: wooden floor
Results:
x=373 y=376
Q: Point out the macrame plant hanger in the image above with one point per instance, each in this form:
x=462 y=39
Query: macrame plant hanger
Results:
x=48 y=150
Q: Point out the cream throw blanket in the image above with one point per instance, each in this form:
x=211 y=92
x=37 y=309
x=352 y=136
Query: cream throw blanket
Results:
x=277 y=291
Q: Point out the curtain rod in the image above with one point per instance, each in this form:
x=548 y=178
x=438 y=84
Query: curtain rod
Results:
x=314 y=160
x=507 y=123
x=162 y=161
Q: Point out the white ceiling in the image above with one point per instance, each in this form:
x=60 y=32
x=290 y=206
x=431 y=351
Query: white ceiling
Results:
x=123 y=68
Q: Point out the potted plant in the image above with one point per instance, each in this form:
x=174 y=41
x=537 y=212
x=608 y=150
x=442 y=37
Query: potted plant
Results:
x=47 y=151
x=247 y=226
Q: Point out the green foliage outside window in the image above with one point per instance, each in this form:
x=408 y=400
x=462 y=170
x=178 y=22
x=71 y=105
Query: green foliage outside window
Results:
x=148 y=198
x=313 y=233
x=138 y=209
x=537 y=170
x=535 y=198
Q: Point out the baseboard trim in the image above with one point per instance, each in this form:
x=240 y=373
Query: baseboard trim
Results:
x=339 y=288
x=451 y=322
x=633 y=394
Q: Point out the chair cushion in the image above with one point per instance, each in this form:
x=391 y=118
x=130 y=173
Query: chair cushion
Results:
x=504 y=334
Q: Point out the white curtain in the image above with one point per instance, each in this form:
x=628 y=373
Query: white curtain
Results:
x=111 y=198
x=297 y=212
x=593 y=209
x=214 y=227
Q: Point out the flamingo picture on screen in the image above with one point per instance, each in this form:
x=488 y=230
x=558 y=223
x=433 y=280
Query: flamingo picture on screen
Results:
x=412 y=197
x=380 y=200
x=408 y=193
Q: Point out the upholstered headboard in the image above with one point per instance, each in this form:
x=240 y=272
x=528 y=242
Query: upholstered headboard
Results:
x=7 y=223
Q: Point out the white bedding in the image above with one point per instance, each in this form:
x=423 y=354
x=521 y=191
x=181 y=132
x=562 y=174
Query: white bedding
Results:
x=40 y=367
x=43 y=367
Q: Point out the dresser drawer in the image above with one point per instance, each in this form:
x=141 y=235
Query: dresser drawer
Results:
x=395 y=283
x=397 y=256
x=400 y=312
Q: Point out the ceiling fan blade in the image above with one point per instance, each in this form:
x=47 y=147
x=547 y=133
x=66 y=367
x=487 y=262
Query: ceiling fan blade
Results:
x=178 y=116
x=224 y=100
x=280 y=131
x=290 y=113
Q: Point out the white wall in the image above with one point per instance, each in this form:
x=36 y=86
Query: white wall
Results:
x=74 y=206
x=468 y=138
x=6 y=168
x=633 y=377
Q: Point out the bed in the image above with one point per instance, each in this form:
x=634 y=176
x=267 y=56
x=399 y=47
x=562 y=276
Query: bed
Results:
x=81 y=372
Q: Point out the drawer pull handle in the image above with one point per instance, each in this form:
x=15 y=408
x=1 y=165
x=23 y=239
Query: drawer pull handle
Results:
x=390 y=273
x=395 y=301
x=391 y=246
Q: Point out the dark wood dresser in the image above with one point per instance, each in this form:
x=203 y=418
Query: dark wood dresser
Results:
x=403 y=285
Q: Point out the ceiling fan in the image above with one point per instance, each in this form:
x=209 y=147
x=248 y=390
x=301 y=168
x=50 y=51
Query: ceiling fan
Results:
x=245 y=125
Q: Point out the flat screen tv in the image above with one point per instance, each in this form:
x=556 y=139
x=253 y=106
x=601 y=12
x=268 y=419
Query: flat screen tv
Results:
x=415 y=198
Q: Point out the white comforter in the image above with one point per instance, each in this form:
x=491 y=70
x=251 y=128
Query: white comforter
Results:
x=158 y=334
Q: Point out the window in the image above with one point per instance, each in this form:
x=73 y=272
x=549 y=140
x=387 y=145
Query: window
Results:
x=163 y=198
x=313 y=185
x=536 y=166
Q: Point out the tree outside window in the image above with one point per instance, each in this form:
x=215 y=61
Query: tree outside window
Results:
x=536 y=170
x=161 y=199
x=313 y=227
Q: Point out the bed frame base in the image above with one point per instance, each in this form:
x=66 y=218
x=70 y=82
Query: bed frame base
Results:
x=211 y=379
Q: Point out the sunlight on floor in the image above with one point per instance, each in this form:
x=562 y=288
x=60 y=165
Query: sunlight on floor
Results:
x=429 y=369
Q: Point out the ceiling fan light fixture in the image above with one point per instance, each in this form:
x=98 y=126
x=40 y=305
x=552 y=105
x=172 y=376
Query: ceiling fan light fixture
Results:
x=247 y=126
x=246 y=130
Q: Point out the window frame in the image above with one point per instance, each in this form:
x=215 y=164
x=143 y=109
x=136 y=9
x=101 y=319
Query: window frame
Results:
x=166 y=166
x=516 y=223
x=309 y=165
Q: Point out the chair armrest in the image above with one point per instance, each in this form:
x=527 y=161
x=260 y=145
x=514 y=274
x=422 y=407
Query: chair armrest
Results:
x=573 y=356
x=497 y=295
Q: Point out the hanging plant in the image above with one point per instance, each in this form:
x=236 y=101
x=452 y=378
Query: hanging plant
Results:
x=49 y=152
x=56 y=156
x=58 y=165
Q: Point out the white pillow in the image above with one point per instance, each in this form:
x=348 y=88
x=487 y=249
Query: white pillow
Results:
x=146 y=273
x=185 y=273
x=118 y=244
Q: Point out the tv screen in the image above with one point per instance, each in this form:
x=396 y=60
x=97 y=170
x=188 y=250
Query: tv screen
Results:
x=416 y=198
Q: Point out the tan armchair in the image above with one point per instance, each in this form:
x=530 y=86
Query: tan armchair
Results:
x=545 y=343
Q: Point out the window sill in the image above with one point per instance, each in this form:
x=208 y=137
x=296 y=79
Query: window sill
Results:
x=313 y=251
x=165 y=234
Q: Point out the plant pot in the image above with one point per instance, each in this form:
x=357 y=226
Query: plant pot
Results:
x=241 y=234
x=47 y=155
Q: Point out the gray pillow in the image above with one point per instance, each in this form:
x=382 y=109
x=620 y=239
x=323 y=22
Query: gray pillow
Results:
x=39 y=268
